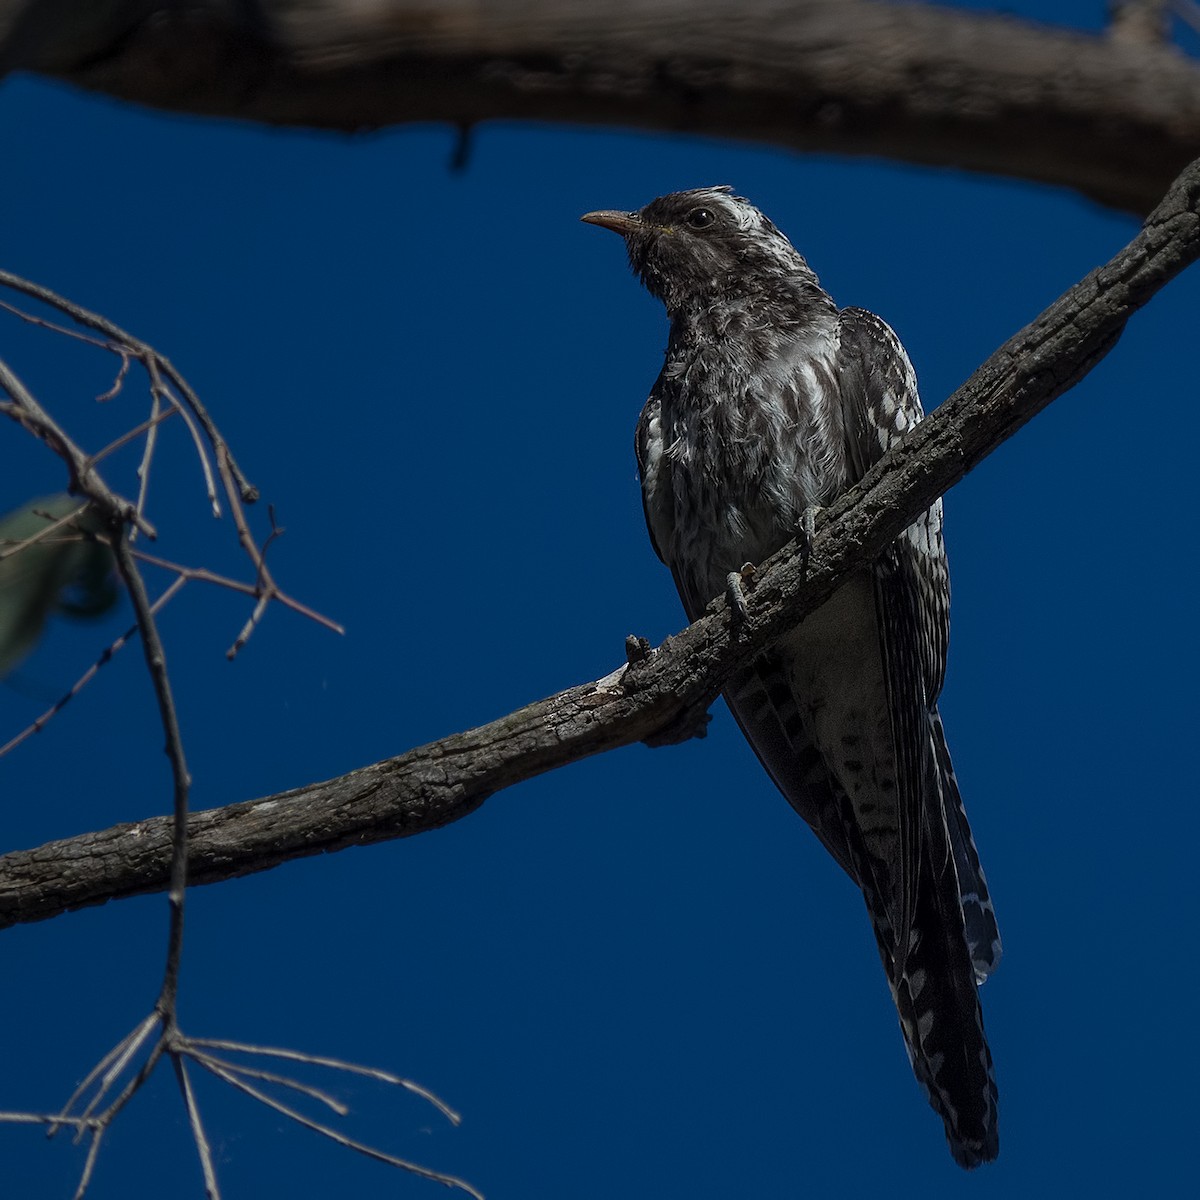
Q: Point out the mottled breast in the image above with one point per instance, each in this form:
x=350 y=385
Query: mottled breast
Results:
x=743 y=431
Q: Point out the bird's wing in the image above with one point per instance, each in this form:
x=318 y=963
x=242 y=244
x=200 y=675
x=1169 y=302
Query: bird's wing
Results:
x=880 y=404
x=947 y=935
x=656 y=505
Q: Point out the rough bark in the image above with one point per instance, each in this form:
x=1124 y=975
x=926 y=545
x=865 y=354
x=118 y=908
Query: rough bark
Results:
x=657 y=693
x=1112 y=117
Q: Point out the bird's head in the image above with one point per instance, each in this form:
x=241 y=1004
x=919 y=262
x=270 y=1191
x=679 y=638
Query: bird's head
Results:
x=697 y=246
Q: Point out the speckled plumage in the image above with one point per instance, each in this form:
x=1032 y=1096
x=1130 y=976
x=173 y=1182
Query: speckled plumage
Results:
x=772 y=401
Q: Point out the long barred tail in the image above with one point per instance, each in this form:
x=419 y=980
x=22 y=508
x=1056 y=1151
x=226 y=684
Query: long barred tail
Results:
x=979 y=917
x=952 y=936
x=942 y=1022
x=937 y=998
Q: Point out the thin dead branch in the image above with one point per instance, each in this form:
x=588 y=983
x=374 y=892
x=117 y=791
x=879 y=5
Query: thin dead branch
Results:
x=131 y=435
x=211 y=1189
x=85 y=480
x=94 y=1121
x=121 y=1072
x=52 y=526
x=118 y=341
x=334 y=1064
x=181 y=781
x=119 y=382
x=170 y=393
x=40 y=723
x=237 y=1077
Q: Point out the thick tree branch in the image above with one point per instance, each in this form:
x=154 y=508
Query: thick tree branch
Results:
x=445 y=780
x=1113 y=117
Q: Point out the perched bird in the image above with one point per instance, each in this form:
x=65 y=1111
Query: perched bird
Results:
x=773 y=401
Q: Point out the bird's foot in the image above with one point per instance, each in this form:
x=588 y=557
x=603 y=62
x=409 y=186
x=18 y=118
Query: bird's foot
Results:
x=736 y=583
x=806 y=532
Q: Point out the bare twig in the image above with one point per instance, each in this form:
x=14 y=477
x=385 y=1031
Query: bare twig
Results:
x=160 y=391
x=108 y=1072
x=334 y=1135
x=335 y=1064
x=145 y=354
x=203 y=575
x=98 y=1124
x=116 y=1059
x=64 y=330
x=183 y=575
x=37 y=725
x=164 y=380
x=43 y=534
x=110 y=1069
x=84 y=478
x=89 y=1165
x=148 y=425
x=119 y=382
x=156 y=664
x=29 y=1118
x=314 y=1093
x=266 y=588
x=211 y=1190
x=143 y=472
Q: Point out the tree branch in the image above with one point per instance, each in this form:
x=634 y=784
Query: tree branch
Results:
x=1113 y=117
x=441 y=782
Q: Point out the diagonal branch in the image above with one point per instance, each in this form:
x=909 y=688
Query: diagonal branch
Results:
x=445 y=780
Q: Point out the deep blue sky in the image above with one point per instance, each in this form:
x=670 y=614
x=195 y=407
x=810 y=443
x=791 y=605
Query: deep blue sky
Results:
x=640 y=976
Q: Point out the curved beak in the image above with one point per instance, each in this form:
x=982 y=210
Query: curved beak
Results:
x=609 y=218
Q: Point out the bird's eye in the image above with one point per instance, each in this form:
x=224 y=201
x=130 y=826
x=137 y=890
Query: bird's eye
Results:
x=701 y=218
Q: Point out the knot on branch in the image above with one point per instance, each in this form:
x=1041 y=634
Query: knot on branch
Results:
x=637 y=650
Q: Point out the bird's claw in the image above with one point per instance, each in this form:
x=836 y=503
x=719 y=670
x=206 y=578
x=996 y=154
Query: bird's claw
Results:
x=806 y=532
x=735 y=584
